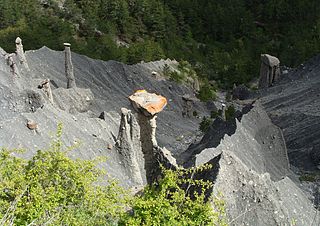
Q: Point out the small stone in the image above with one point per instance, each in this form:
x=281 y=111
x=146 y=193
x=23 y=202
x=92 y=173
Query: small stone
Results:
x=103 y=115
x=110 y=146
x=32 y=125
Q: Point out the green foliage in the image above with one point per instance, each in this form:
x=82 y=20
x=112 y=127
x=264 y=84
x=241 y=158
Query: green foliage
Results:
x=205 y=124
x=166 y=203
x=215 y=114
x=308 y=177
x=146 y=51
x=195 y=114
x=184 y=73
x=225 y=39
x=54 y=189
x=166 y=70
x=207 y=92
x=230 y=113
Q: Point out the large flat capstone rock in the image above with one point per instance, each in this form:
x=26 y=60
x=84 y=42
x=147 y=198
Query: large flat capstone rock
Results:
x=148 y=103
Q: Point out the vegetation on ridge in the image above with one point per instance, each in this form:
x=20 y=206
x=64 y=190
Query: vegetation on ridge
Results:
x=52 y=189
x=223 y=40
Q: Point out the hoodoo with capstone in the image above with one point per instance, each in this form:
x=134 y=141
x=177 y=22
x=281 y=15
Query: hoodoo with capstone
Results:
x=148 y=105
x=71 y=83
x=269 y=71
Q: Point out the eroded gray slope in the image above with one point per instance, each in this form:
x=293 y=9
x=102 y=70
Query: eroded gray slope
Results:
x=102 y=86
x=112 y=82
x=252 y=174
x=256 y=142
x=294 y=105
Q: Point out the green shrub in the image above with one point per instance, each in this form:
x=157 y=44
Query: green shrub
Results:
x=205 y=124
x=308 y=177
x=207 y=93
x=215 y=114
x=144 y=51
x=177 y=77
x=166 y=70
x=166 y=203
x=195 y=113
x=52 y=189
x=56 y=190
x=230 y=112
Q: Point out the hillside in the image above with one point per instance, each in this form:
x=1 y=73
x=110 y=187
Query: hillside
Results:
x=250 y=164
x=221 y=39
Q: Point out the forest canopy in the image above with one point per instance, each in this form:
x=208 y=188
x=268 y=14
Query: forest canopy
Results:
x=222 y=39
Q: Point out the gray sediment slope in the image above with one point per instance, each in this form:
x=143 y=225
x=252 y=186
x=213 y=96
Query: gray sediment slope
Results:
x=253 y=172
x=252 y=166
x=293 y=104
x=101 y=87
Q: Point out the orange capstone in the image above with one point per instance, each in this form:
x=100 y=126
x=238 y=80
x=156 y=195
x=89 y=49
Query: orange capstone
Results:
x=148 y=103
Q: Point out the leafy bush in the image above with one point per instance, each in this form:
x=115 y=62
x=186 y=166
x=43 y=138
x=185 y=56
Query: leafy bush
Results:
x=230 y=112
x=205 y=124
x=308 y=177
x=177 y=77
x=166 y=70
x=146 y=51
x=195 y=114
x=215 y=114
x=54 y=189
x=167 y=203
x=207 y=92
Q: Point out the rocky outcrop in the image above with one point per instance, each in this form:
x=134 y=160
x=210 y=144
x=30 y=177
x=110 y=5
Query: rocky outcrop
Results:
x=20 y=54
x=129 y=146
x=256 y=199
x=265 y=148
x=251 y=170
x=269 y=71
x=241 y=92
x=101 y=87
x=293 y=104
x=71 y=83
x=45 y=86
x=148 y=105
x=11 y=61
x=188 y=103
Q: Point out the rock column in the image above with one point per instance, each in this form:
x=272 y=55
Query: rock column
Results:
x=13 y=66
x=148 y=105
x=223 y=115
x=269 y=70
x=149 y=145
x=129 y=146
x=69 y=66
x=45 y=85
x=20 y=53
